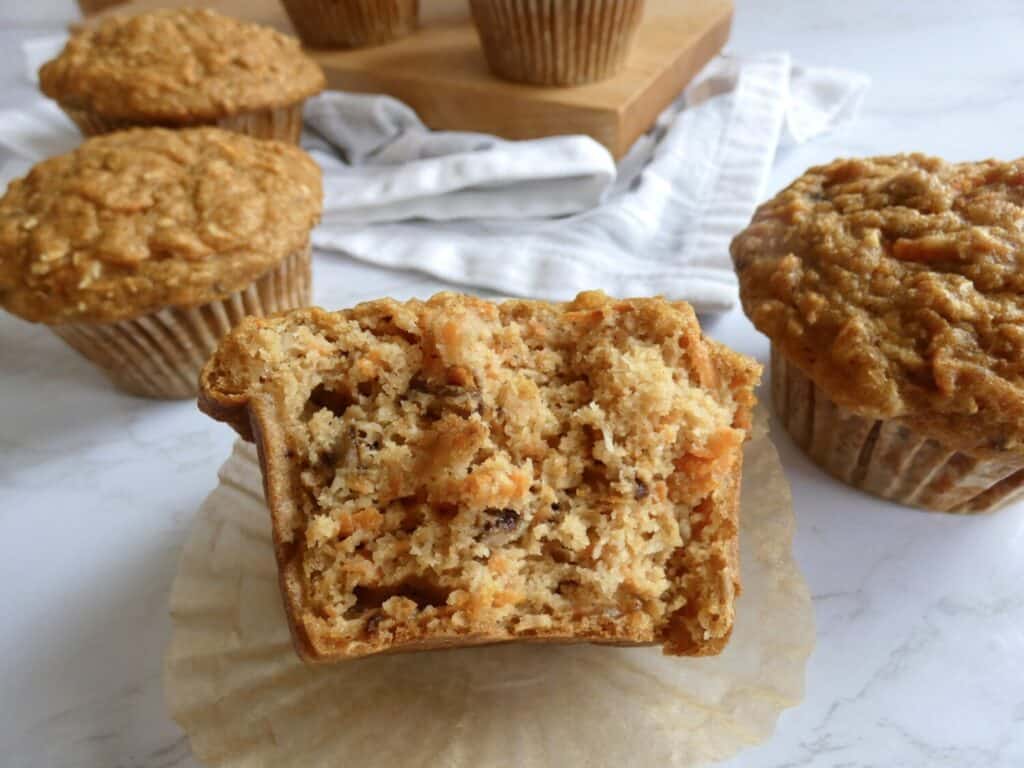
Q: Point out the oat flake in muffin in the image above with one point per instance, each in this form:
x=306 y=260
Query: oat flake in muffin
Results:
x=136 y=226
x=182 y=67
x=893 y=293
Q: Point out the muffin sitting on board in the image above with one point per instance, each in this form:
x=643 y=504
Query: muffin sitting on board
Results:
x=892 y=290
x=351 y=23
x=556 y=42
x=456 y=472
x=141 y=249
x=181 y=68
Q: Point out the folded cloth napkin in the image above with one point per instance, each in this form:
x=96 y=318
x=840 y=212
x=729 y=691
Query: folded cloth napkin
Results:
x=662 y=226
x=549 y=217
x=381 y=163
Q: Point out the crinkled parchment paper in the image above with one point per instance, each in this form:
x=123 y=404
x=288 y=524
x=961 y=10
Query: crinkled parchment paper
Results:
x=234 y=684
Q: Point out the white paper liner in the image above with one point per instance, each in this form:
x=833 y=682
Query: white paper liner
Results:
x=233 y=682
x=278 y=123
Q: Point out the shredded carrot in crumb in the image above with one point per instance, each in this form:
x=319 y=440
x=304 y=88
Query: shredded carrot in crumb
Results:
x=366 y=367
x=401 y=547
x=722 y=444
x=705 y=466
x=450 y=334
x=703 y=368
x=589 y=317
x=659 y=491
x=345 y=525
x=486 y=486
x=363 y=569
x=360 y=485
x=368 y=519
x=506 y=597
x=537 y=329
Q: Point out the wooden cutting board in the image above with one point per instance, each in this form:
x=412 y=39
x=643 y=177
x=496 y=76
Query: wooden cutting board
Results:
x=441 y=73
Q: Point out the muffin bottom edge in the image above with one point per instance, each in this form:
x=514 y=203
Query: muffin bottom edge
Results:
x=886 y=458
x=277 y=123
x=160 y=354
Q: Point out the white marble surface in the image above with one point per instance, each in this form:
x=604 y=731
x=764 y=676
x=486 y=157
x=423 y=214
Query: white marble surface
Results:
x=920 y=657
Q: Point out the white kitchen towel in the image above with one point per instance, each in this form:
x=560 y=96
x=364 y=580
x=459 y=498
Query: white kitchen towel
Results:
x=550 y=217
x=381 y=163
x=664 y=226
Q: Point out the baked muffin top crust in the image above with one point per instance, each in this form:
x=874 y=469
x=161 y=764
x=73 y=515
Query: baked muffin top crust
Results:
x=134 y=221
x=897 y=284
x=179 y=66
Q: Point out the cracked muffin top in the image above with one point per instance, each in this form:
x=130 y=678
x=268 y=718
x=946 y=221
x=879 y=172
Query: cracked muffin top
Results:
x=134 y=221
x=897 y=284
x=181 y=66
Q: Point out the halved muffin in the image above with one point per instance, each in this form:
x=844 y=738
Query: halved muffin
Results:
x=457 y=472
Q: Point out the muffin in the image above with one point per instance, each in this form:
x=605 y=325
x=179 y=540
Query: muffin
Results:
x=351 y=23
x=892 y=289
x=556 y=42
x=181 y=68
x=457 y=472
x=141 y=249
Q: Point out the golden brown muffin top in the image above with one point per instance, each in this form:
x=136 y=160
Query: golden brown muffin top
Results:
x=134 y=221
x=897 y=285
x=179 y=66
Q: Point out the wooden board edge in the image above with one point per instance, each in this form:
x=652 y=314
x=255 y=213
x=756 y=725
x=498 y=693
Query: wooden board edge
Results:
x=638 y=115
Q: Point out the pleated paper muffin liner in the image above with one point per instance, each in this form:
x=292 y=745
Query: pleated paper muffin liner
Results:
x=161 y=354
x=887 y=458
x=234 y=683
x=280 y=123
x=556 y=42
x=351 y=23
